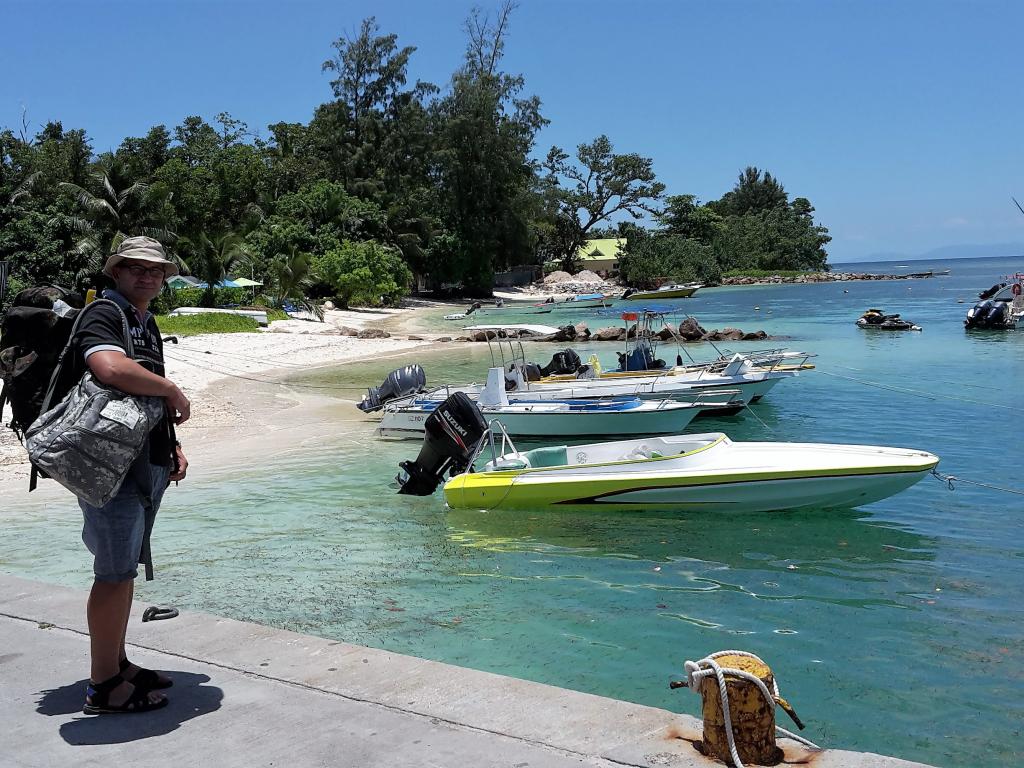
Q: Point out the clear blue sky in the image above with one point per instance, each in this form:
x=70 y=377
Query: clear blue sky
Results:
x=902 y=122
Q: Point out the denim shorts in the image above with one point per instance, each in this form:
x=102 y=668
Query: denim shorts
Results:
x=114 y=533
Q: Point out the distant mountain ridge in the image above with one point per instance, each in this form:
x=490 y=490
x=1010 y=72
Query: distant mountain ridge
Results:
x=962 y=251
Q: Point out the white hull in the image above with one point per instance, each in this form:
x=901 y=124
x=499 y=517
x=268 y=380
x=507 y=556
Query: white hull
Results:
x=550 y=419
x=693 y=473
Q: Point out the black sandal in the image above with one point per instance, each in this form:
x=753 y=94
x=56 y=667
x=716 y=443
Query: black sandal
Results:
x=145 y=678
x=98 y=699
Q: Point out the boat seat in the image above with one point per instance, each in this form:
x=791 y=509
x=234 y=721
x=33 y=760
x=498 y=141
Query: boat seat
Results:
x=551 y=456
x=642 y=452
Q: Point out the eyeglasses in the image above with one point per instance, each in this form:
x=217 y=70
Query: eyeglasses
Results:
x=137 y=270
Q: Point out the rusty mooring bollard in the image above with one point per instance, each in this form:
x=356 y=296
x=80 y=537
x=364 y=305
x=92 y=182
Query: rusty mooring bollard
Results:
x=739 y=726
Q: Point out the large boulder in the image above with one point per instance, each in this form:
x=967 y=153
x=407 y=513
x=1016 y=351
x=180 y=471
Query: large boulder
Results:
x=691 y=330
x=563 y=334
x=346 y=331
x=726 y=334
x=611 y=333
x=755 y=336
x=373 y=333
x=484 y=335
x=665 y=334
x=582 y=331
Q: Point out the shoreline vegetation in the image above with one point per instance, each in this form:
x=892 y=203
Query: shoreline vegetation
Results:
x=393 y=187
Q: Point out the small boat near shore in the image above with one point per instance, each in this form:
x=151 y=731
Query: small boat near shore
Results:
x=691 y=473
x=674 y=291
x=581 y=301
x=551 y=418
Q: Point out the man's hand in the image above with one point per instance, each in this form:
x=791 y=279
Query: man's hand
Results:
x=182 y=464
x=178 y=405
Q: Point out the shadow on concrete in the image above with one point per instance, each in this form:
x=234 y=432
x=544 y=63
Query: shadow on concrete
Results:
x=189 y=699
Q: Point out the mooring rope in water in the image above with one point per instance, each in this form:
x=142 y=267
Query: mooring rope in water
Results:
x=706 y=667
x=940 y=381
x=949 y=480
x=917 y=392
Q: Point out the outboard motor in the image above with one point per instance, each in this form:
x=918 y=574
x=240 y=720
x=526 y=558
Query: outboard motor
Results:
x=640 y=358
x=473 y=308
x=399 y=383
x=562 y=364
x=532 y=371
x=451 y=434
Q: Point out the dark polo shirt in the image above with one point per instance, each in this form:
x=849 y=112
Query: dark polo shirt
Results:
x=100 y=330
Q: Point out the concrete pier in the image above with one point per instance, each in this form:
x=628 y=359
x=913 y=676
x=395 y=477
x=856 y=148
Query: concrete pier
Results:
x=249 y=695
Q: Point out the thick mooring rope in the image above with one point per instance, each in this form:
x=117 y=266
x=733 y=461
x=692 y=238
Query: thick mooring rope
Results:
x=696 y=671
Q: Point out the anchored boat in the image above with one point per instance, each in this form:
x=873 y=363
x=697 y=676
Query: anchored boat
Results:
x=552 y=418
x=1001 y=307
x=705 y=472
x=674 y=291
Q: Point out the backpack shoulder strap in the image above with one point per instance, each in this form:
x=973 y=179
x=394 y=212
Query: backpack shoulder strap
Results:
x=55 y=376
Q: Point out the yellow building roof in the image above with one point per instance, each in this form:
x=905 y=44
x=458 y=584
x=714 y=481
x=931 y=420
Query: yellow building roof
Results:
x=605 y=248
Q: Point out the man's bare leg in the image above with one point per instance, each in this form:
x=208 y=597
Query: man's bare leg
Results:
x=107 y=612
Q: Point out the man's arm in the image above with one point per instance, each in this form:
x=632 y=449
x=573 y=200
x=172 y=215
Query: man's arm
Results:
x=115 y=370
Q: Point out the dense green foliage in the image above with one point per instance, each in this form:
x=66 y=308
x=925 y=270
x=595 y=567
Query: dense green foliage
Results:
x=366 y=274
x=390 y=186
x=754 y=228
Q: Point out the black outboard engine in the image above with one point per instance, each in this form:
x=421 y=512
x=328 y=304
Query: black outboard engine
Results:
x=473 y=308
x=451 y=434
x=399 y=383
x=562 y=364
x=640 y=358
x=987 y=314
x=532 y=372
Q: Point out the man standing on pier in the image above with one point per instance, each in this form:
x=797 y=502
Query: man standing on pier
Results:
x=117 y=533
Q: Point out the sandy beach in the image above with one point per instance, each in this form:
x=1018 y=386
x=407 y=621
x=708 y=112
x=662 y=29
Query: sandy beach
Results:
x=231 y=382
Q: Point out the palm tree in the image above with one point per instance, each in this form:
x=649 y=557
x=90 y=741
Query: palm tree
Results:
x=211 y=256
x=291 y=271
x=107 y=218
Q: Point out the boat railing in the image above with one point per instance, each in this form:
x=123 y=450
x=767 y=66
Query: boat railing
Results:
x=487 y=441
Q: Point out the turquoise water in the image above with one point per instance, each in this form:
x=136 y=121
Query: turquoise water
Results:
x=894 y=628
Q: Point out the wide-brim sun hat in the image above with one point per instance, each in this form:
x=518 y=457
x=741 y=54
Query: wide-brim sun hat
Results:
x=140 y=248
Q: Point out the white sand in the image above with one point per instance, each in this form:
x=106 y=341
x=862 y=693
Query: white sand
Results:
x=231 y=378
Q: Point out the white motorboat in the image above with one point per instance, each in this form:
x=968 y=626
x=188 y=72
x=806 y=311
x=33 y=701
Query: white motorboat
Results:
x=580 y=301
x=1000 y=308
x=689 y=473
x=740 y=373
x=673 y=291
x=692 y=473
x=549 y=418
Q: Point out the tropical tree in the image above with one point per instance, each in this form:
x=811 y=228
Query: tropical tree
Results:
x=486 y=132
x=212 y=256
x=290 y=274
x=756 y=191
x=595 y=187
x=114 y=211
